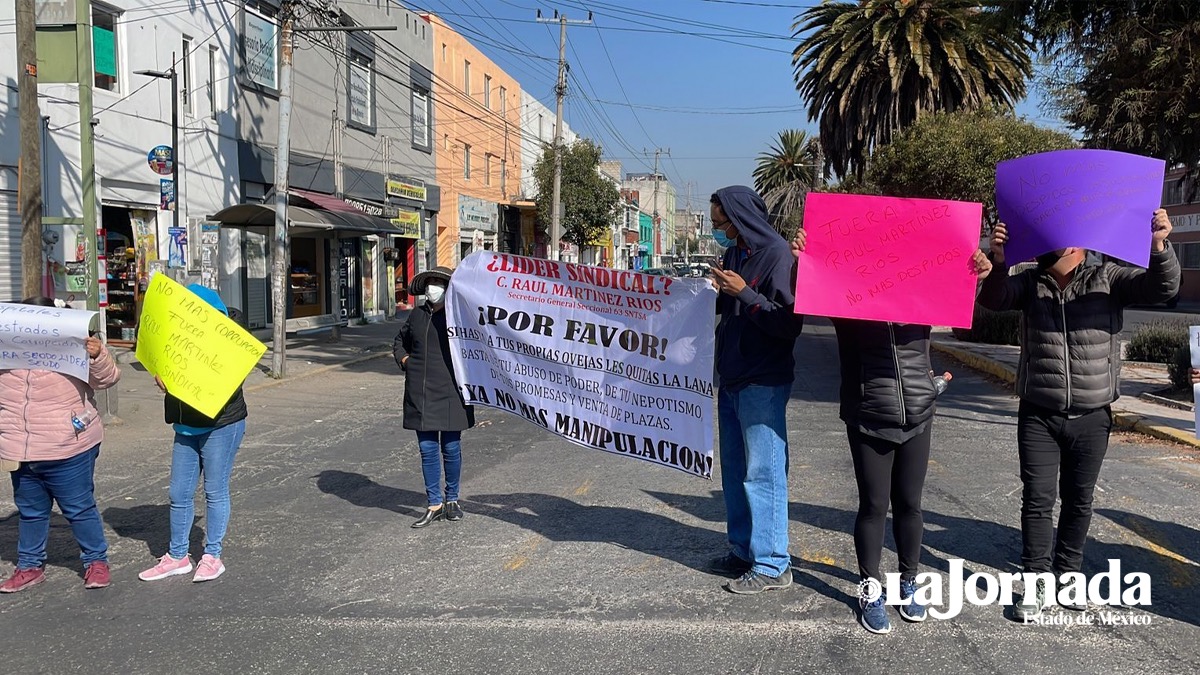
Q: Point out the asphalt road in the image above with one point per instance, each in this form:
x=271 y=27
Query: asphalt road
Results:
x=572 y=560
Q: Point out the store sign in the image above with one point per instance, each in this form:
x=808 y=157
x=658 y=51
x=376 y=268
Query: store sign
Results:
x=360 y=94
x=407 y=188
x=373 y=209
x=166 y=194
x=479 y=214
x=1188 y=222
x=409 y=223
x=261 y=45
x=161 y=160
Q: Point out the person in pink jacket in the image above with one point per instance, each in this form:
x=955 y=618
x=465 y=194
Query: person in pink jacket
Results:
x=50 y=426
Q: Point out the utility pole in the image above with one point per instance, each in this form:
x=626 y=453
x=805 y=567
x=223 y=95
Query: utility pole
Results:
x=173 y=76
x=87 y=149
x=281 y=251
x=656 y=223
x=29 y=181
x=560 y=90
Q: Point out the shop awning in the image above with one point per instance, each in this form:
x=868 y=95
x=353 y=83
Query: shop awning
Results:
x=324 y=201
x=263 y=215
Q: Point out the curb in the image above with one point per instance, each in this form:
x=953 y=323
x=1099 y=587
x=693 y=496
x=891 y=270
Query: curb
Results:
x=315 y=371
x=1122 y=419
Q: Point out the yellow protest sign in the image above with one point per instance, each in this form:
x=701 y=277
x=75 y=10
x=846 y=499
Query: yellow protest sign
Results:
x=201 y=355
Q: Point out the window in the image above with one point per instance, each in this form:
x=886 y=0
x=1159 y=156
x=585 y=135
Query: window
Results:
x=467 y=77
x=185 y=76
x=503 y=174
x=503 y=101
x=466 y=162
x=487 y=91
x=541 y=128
x=361 y=92
x=443 y=52
x=487 y=169
x=104 y=47
x=1189 y=255
x=1172 y=192
x=422 y=134
x=212 y=81
x=260 y=45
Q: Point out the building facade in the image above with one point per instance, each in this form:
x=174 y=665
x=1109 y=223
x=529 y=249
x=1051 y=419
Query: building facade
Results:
x=1184 y=210
x=658 y=199
x=477 y=144
x=118 y=178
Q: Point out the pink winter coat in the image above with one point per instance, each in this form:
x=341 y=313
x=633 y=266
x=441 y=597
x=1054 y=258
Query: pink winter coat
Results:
x=36 y=408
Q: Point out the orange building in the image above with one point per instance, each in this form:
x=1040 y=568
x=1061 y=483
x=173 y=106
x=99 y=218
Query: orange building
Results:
x=477 y=148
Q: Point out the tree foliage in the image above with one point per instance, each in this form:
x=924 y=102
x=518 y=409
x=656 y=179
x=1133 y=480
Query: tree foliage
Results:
x=954 y=156
x=785 y=173
x=590 y=200
x=1126 y=71
x=871 y=68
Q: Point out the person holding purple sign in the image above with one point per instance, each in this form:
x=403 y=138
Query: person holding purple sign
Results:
x=1068 y=377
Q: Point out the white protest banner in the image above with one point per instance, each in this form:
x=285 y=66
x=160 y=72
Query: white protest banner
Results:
x=1194 y=342
x=607 y=359
x=44 y=338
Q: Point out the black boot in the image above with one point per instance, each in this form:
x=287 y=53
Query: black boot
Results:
x=453 y=511
x=430 y=516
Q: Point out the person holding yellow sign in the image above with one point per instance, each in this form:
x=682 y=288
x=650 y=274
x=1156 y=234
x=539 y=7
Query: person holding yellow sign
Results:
x=203 y=445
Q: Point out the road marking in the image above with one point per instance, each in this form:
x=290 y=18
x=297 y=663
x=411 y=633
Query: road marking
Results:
x=1181 y=570
x=584 y=488
x=521 y=557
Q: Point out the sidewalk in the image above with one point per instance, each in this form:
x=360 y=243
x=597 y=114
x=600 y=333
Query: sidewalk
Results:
x=308 y=354
x=1130 y=412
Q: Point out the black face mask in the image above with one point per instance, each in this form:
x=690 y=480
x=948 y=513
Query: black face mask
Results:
x=1046 y=260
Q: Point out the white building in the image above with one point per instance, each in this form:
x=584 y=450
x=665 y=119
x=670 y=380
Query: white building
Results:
x=131 y=118
x=537 y=133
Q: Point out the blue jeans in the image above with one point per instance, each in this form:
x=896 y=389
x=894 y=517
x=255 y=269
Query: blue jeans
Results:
x=71 y=483
x=754 y=471
x=433 y=454
x=211 y=453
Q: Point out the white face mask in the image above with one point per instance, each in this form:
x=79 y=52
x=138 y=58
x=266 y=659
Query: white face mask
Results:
x=435 y=293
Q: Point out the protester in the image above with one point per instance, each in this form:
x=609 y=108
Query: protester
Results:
x=203 y=446
x=888 y=397
x=433 y=404
x=51 y=429
x=756 y=334
x=1068 y=377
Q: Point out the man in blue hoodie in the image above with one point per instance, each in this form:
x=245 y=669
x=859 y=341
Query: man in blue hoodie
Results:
x=756 y=333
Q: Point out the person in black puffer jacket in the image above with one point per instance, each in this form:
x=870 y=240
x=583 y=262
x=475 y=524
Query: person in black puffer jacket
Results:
x=203 y=445
x=888 y=398
x=1068 y=376
x=433 y=404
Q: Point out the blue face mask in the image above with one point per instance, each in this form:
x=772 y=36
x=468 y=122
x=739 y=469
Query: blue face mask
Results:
x=722 y=239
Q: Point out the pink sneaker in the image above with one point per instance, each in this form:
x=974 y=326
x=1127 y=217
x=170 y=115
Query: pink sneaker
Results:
x=209 y=568
x=167 y=567
x=22 y=579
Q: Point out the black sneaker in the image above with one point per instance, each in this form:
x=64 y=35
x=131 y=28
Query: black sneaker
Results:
x=753 y=582
x=1069 y=604
x=1032 y=602
x=453 y=511
x=728 y=565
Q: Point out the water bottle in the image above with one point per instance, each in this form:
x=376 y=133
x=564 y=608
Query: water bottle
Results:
x=940 y=383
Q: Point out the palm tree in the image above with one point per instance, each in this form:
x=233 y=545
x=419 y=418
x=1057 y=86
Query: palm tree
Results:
x=789 y=169
x=871 y=68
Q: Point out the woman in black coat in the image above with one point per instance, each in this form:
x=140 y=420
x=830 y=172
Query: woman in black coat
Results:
x=433 y=404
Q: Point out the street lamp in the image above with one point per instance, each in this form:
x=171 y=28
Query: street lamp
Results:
x=171 y=75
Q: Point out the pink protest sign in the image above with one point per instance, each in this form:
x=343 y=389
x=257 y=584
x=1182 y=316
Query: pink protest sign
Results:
x=889 y=259
x=1096 y=199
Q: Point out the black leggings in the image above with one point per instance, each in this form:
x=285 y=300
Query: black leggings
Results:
x=888 y=472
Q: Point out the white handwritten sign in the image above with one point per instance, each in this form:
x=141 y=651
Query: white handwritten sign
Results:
x=44 y=338
x=1194 y=342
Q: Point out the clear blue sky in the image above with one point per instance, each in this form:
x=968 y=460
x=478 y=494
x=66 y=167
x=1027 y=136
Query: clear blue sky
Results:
x=709 y=79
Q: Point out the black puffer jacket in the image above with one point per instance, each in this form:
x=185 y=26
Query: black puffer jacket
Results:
x=1070 y=347
x=432 y=401
x=886 y=380
x=177 y=411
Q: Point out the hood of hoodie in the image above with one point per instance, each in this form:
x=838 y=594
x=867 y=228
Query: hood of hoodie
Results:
x=748 y=211
x=210 y=296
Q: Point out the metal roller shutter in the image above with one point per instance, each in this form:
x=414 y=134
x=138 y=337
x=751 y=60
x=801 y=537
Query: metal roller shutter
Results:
x=10 y=247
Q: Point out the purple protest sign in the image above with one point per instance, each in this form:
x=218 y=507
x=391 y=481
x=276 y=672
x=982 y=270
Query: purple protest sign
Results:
x=1100 y=200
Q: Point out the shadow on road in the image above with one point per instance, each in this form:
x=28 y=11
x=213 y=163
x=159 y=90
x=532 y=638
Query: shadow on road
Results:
x=360 y=490
x=151 y=523
x=1170 y=561
x=560 y=519
x=61 y=549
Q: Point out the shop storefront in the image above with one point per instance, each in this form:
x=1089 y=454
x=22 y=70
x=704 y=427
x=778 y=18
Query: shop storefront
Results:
x=478 y=225
x=336 y=259
x=416 y=203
